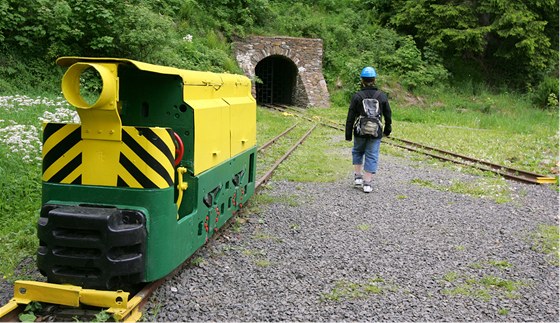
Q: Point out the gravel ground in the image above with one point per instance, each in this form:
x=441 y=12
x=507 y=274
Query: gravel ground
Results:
x=329 y=252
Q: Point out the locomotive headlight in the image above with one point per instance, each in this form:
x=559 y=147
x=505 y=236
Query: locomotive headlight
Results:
x=72 y=88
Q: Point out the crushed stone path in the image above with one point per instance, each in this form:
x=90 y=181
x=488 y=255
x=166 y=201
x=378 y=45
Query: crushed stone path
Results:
x=405 y=252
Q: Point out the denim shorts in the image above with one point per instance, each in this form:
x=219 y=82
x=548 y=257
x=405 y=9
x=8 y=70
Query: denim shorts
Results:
x=368 y=148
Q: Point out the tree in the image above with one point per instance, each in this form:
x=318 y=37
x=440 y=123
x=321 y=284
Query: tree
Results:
x=512 y=38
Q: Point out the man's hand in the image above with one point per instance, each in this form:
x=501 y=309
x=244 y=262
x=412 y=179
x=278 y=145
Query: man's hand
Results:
x=387 y=130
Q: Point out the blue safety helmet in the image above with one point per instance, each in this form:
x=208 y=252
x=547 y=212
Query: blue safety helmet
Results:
x=368 y=72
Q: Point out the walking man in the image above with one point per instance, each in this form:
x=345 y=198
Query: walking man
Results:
x=364 y=122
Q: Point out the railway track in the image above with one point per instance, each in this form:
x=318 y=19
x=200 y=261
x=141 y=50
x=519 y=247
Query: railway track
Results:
x=269 y=173
x=504 y=171
x=120 y=306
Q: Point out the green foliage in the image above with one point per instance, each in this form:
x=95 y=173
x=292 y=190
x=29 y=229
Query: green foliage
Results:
x=145 y=35
x=198 y=261
x=102 y=316
x=516 y=40
x=503 y=311
x=413 y=42
x=546 y=95
x=27 y=317
x=20 y=192
x=28 y=314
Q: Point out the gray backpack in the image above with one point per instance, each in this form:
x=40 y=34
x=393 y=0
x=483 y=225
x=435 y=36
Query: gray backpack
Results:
x=369 y=124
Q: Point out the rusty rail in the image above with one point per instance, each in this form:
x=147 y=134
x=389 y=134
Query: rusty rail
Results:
x=507 y=172
x=273 y=140
x=269 y=173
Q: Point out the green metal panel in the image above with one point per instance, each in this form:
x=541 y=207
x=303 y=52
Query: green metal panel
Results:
x=171 y=241
x=156 y=100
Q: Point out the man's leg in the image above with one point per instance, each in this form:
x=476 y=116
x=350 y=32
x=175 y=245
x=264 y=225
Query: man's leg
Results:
x=358 y=151
x=370 y=165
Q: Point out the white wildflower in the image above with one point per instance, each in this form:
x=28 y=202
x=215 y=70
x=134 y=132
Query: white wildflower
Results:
x=22 y=139
x=188 y=38
x=61 y=115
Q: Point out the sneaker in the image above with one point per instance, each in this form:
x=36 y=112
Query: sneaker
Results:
x=358 y=180
x=367 y=187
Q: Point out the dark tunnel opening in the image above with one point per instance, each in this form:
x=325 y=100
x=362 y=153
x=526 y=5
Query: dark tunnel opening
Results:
x=279 y=76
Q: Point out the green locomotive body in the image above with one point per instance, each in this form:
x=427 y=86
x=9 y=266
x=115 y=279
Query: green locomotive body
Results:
x=159 y=162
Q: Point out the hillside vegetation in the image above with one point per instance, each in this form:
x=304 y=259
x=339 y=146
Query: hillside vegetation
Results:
x=499 y=43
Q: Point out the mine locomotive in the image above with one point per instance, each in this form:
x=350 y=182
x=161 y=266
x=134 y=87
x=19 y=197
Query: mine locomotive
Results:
x=160 y=160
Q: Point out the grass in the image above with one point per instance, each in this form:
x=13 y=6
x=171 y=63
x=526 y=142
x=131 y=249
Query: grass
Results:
x=363 y=227
x=482 y=288
x=503 y=311
x=346 y=290
x=546 y=240
x=499 y=264
x=501 y=128
x=309 y=162
x=197 y=262
x=295 y=227
x=20 y=173
x=258 y=256
x=492 y=187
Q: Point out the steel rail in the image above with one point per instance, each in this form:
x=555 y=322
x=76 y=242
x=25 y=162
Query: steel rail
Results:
x=470 y=164
x=269 y=173
x=273 y=140
x=508 y=172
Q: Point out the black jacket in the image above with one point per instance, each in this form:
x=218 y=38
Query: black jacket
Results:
x=356 y=109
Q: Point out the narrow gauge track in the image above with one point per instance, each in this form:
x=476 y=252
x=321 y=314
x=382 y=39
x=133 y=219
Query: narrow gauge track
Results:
x=269 y=173
x=506 y=172
x=131 y=310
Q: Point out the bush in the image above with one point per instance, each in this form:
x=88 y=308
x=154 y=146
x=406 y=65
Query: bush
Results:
x=546 y=95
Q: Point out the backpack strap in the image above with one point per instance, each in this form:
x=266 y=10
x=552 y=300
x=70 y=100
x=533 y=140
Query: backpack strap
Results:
x=376 y=95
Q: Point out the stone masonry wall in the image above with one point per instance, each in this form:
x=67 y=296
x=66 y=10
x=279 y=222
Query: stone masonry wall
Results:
x=305 y=53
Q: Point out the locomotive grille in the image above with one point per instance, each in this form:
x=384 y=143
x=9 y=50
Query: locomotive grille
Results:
x=92 y=247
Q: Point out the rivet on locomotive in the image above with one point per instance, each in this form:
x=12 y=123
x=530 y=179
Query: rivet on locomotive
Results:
x=160 y=161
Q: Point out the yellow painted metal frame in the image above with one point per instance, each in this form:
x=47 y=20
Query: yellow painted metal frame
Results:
x=100 y=120
x=546 y=180
x=224 y=109
x=115 y=302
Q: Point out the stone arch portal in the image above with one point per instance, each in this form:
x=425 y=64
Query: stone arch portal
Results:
x=289 y=70
x=278 y=80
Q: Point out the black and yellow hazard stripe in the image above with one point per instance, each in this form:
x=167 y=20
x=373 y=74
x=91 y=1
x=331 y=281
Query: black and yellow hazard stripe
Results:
x=62 y=153
x=144 y=158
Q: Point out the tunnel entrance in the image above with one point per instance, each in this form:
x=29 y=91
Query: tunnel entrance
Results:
x=279 y=78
